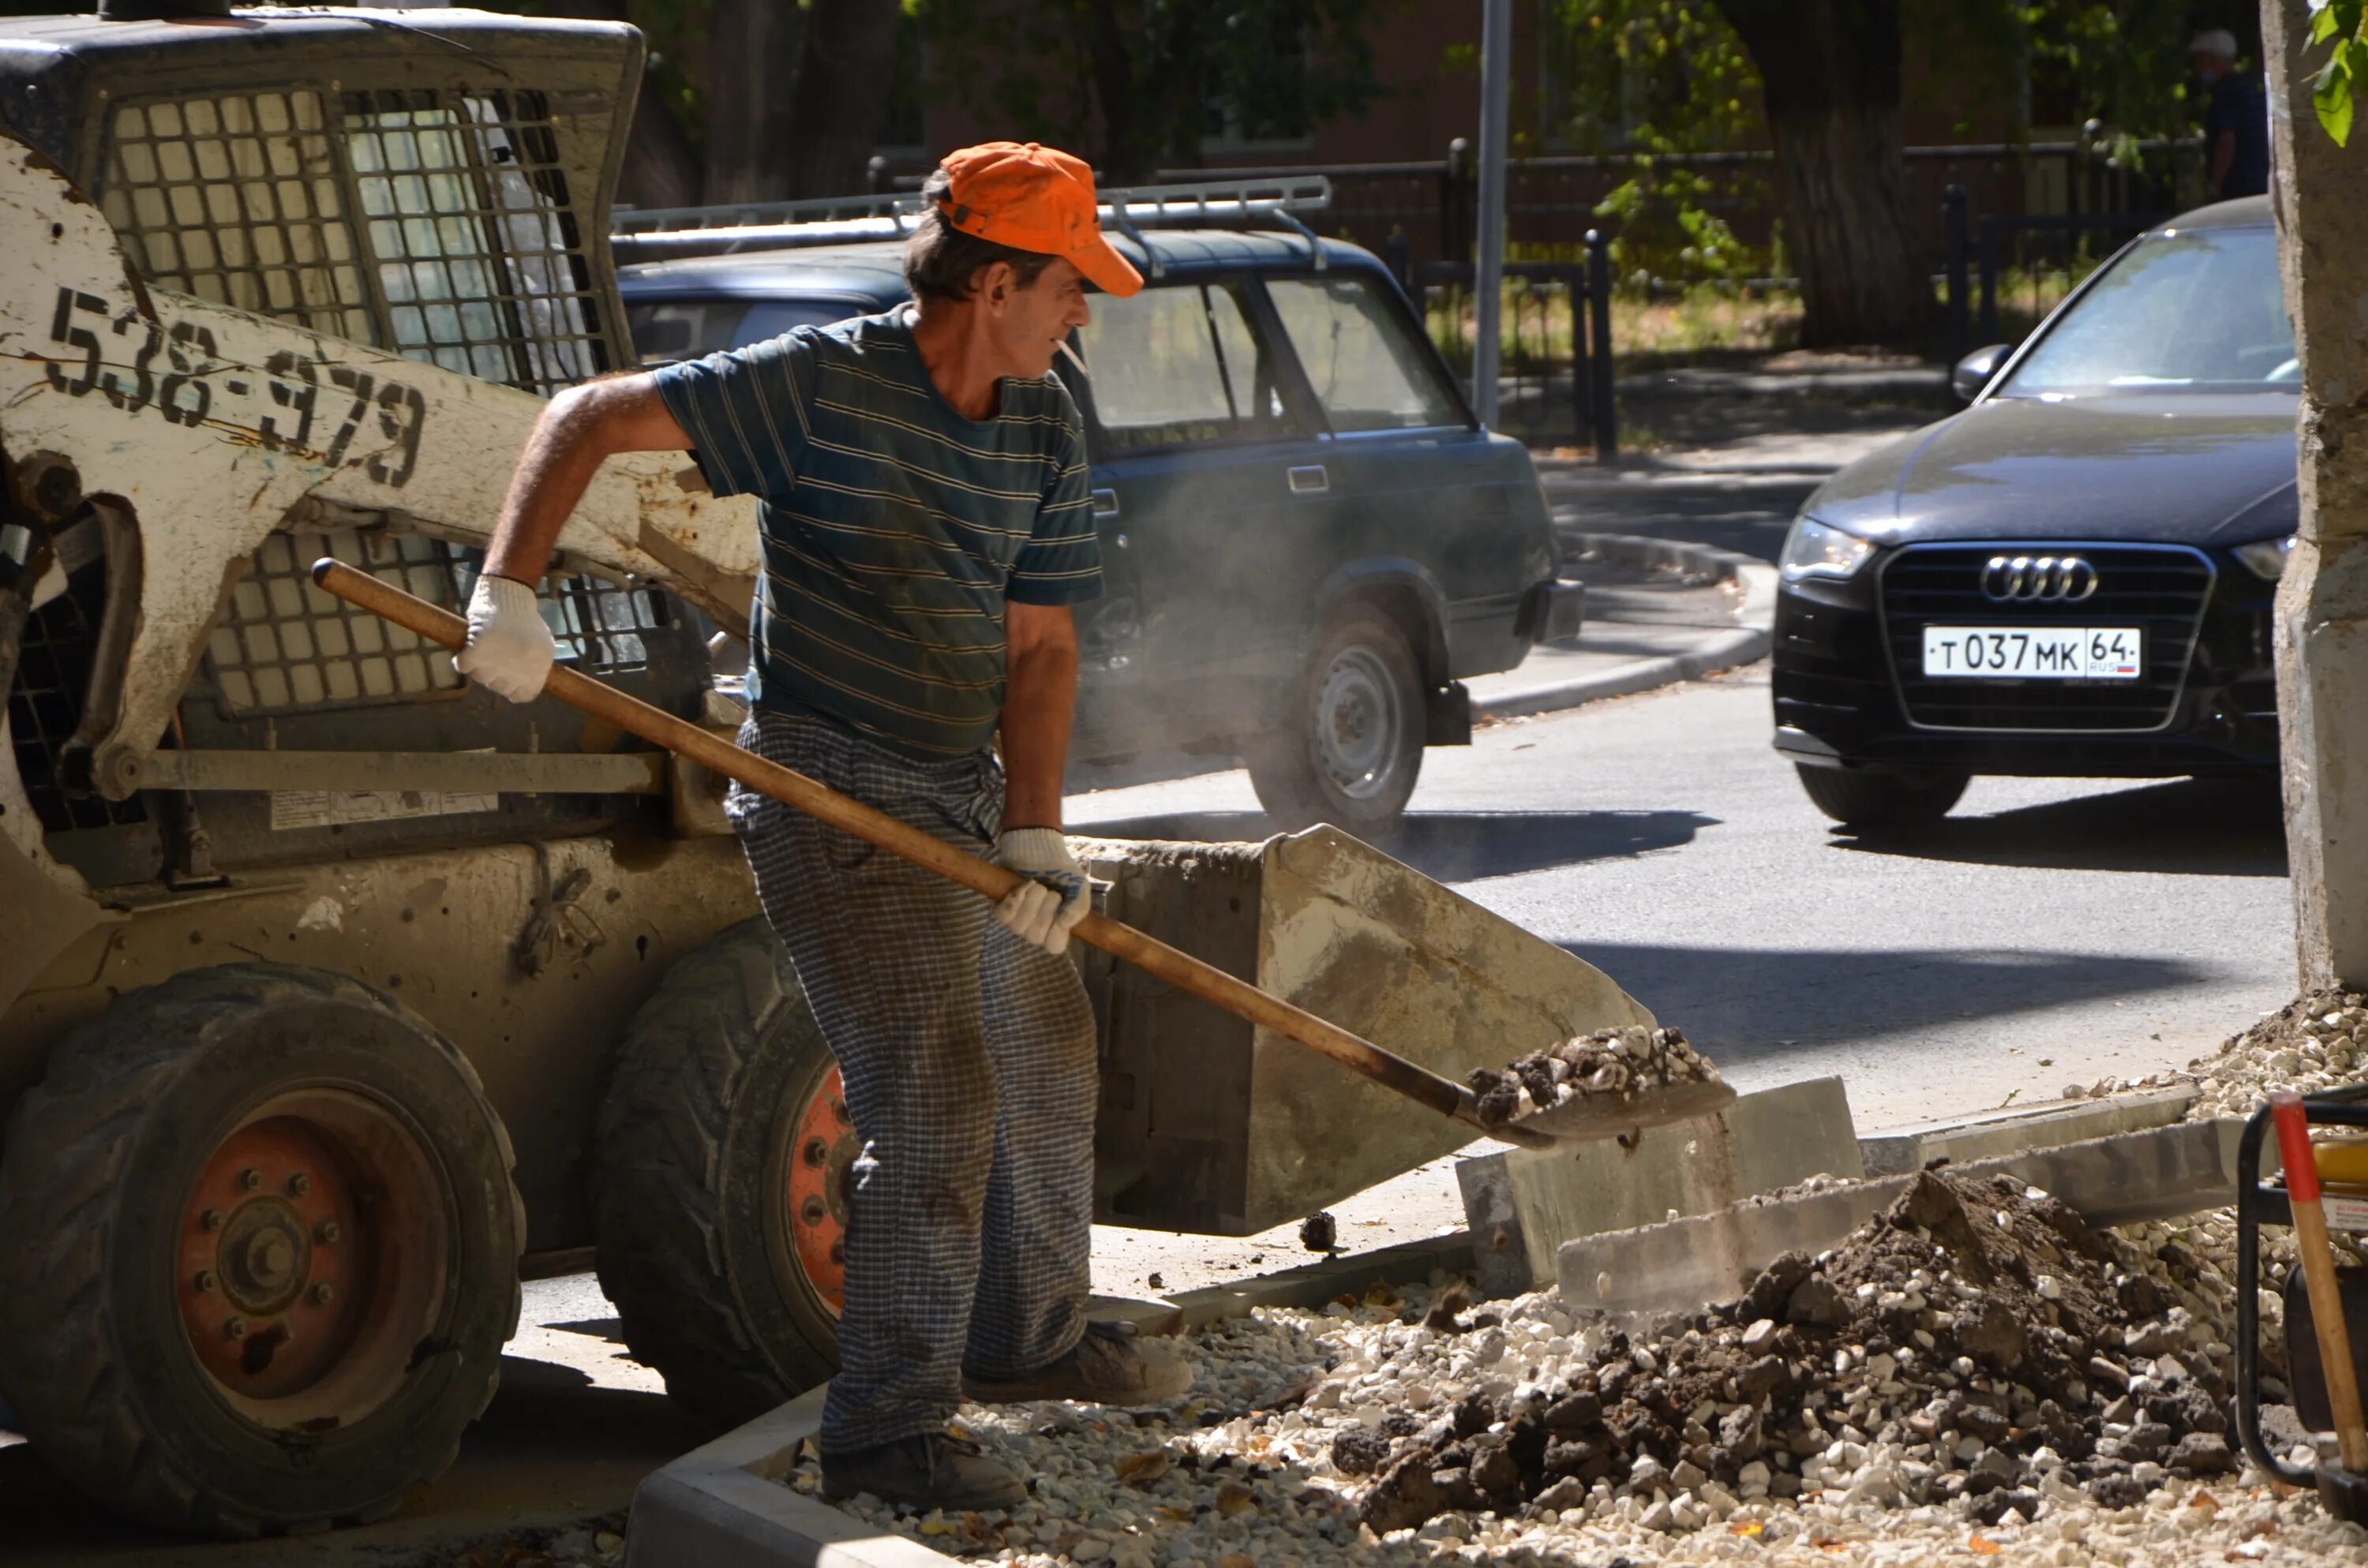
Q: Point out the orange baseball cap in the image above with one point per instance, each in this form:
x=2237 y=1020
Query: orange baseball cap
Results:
x=1034 y=199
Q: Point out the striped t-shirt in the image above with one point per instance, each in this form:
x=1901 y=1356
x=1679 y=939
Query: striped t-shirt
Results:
x=893 y=528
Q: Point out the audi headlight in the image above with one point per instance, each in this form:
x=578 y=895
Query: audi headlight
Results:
x=2267 y=557
x=1818 y=550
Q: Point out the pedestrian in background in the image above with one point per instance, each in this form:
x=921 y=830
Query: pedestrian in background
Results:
x=2236 y=121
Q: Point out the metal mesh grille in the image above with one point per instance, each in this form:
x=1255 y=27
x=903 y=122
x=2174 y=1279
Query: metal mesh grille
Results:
x=45 y=706
x=458 y=246
x=236 y=199
x=466 y=209
x=284 y=646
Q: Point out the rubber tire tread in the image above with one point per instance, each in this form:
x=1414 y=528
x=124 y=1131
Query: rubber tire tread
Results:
x=1289 y=782
x=61 y=1162
x=677 y=1255
x=1864 y=798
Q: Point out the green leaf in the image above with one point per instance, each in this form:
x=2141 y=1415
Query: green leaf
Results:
x=2331 y=94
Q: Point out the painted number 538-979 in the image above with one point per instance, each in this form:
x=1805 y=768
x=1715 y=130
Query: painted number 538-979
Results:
x=284 y=404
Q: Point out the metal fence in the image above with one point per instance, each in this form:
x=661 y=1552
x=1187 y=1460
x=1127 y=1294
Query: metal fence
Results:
x=1551 y=202
x=2004 y=270
x=1555 y=383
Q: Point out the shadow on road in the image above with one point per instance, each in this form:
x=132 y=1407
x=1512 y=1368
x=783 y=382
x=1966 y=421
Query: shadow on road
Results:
x=550 y=1449
x=1747 y=1005
x=2185 y=827
x=1456 y=847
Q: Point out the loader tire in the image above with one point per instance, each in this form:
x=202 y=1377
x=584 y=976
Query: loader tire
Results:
x=259 y=1253
x=719 y=1187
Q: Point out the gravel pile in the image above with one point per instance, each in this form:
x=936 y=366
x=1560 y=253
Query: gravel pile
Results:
x=1607 y=1067
x=1976 y=1372
x=2315 y=1042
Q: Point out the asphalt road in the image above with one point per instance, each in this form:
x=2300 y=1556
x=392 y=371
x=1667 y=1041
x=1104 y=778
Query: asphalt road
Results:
x=2094 y=927
x=2050 y=931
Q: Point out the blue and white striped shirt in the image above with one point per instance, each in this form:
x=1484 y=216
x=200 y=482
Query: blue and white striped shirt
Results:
x=894 y=529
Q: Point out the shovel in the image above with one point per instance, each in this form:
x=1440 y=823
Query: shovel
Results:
x=992 y=882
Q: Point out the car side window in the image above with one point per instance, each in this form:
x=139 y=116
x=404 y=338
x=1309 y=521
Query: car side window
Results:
x=1369 y=370
x=1180 y=363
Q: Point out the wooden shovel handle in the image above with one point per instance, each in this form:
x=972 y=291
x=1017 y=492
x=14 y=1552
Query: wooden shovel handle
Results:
x=1173 y=965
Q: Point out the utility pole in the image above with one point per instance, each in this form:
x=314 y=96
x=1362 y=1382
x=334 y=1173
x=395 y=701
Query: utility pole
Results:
x=2322 y=653
x=1489 y=286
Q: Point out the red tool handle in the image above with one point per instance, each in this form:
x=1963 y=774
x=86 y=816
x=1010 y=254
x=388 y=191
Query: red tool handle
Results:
x=2293 y=1146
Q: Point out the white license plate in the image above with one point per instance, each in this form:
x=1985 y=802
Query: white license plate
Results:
x=2035 y=653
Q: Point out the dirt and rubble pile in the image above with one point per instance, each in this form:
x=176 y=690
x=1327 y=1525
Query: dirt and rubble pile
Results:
x=1975 y=1365
x=1969 y=1343
x=1607 y=1067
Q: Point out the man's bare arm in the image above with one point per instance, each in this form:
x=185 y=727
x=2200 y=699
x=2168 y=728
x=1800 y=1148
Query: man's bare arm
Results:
x=581 y=428
x=1040 y=699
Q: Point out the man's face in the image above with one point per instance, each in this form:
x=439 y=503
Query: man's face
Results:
x=2212 y=66
x=1029 y=324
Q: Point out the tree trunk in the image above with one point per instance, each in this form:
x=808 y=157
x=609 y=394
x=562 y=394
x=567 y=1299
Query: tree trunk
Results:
x=660 y=165
x=751 y=66
x=1830 y=75
x=2322 y=615
x=1129 y=151
x=843 y=95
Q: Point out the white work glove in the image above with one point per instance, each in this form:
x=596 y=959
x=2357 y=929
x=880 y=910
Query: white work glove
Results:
x=510 y=647
x=1056 y=894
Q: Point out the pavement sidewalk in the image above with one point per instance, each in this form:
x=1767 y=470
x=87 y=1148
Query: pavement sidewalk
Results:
x=1657 y=611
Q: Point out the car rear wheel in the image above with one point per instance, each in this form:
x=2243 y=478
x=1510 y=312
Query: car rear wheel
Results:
x=1349 y=747
x=719 y=1196
x=261 y=1256
x=1857 y=796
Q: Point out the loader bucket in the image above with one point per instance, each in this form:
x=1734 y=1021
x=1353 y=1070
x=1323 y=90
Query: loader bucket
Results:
x=1209 y=1125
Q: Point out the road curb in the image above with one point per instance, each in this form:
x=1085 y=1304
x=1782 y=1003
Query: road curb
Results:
x=1747 y=644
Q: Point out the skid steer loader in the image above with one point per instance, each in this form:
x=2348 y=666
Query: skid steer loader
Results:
x=337 y=997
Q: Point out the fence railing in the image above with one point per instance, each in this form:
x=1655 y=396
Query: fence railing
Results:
x=1553 y=201
x=1556 y=375
x=2042 y=255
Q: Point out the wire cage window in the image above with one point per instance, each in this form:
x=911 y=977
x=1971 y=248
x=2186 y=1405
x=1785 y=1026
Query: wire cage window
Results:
x=466 y=208
x=285 y=646
x=436 y=223
x=236 y=199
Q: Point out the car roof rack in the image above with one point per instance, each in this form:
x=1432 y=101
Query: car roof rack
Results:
x=674 y=232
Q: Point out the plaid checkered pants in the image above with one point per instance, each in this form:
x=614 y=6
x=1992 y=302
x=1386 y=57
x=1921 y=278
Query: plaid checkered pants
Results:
x=969 y=1060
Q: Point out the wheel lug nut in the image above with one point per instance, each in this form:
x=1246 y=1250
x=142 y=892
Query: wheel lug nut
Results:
x=250 y=1179
x=814 y=1212
x=328 y=1232
x=320 y=1295
x=210 y=1219
x=839 y=1252
x=205 y=1281
x=299 y=1184
x=234 y=1329
x=816 y=1151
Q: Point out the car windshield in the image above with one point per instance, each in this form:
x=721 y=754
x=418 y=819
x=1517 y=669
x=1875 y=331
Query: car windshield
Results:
x=2201 y=308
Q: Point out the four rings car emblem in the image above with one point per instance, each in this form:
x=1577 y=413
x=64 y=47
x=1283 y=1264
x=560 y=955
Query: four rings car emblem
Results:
x=2059 y=579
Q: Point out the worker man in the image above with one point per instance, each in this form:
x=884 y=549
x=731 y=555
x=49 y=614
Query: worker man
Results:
x=926 y=527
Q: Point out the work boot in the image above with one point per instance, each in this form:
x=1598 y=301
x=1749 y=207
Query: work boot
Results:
x=934 y=1469
x=1110 y=1365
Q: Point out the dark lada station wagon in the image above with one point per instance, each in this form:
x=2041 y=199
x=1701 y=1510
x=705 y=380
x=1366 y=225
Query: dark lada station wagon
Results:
x=1308 y=543
x=2074 y=576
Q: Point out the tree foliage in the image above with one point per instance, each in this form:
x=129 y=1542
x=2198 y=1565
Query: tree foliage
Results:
x=1139 y=84
x=2342 y=25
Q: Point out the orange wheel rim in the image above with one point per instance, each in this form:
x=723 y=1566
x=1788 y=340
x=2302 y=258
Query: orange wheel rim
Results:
x=313 y=1254
x=822 y=1153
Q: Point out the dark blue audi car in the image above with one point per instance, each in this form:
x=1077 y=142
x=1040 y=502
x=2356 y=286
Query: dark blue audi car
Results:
x=2073 y=575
